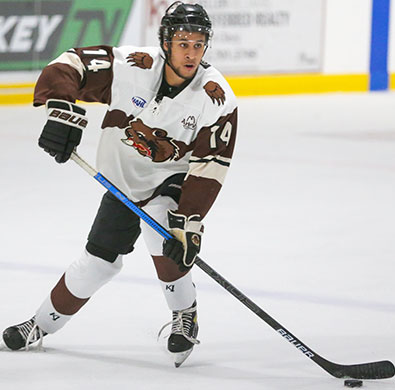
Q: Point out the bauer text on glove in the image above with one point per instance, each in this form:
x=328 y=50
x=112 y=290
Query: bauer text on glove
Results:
x=63 y=131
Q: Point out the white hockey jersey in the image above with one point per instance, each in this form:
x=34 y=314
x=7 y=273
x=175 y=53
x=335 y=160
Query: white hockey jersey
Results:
x=148 y=138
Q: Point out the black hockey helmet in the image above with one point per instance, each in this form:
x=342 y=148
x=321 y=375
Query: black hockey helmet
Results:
x=184 y=17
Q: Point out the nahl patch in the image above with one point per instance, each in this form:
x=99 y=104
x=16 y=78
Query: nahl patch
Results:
x=138 y=101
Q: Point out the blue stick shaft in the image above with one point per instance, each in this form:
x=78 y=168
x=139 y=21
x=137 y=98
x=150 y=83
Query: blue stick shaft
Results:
x=121 y=196
x=128 y=203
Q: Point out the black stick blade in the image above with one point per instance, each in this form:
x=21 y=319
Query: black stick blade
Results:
x=376 y=370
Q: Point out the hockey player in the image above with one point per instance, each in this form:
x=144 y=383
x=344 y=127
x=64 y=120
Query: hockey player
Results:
x=167 y=140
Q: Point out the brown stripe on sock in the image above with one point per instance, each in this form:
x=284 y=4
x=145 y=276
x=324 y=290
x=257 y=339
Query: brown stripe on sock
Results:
x=64 y=301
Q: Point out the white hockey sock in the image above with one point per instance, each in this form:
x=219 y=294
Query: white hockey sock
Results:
x=48 y=319
x=179 y=294
x=83 y=278
x=86 y=275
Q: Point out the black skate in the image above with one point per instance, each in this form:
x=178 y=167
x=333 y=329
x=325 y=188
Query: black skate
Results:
x=22 y=335
x=183 y=335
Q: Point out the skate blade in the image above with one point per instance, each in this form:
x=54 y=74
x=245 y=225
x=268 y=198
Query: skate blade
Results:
x=180 y=357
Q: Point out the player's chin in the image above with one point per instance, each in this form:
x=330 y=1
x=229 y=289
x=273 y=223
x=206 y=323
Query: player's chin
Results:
x=189 y=71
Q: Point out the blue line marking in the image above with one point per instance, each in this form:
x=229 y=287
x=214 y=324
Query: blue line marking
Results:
x=123 y=198
x=379 y=45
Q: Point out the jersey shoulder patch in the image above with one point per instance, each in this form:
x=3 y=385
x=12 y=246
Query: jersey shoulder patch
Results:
x=140 y=59
x=214 y=85
x=145 y=58
x=215 y=91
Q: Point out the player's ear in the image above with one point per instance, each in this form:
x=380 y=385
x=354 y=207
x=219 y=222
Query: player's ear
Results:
x=166 y=46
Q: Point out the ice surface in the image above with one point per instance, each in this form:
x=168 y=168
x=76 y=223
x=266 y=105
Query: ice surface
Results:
x=304 y=226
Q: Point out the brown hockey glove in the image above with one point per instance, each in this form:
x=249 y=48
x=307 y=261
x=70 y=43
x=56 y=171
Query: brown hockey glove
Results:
x=184 y=248
x=63 y=130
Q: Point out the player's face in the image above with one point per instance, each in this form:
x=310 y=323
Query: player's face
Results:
x=187 y=50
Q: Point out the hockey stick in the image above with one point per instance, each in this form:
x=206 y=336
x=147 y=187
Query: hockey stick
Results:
x=374 y=370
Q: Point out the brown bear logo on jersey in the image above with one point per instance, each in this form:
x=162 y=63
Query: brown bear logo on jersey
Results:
x=140 y=59
x=215 y=91
x=153 y=143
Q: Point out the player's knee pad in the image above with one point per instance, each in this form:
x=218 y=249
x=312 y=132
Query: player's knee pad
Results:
x=87 y=274
x=180 y=293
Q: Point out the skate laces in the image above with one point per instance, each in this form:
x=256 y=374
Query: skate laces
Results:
x=31 y=332
x=36 y=334
x=182 y=323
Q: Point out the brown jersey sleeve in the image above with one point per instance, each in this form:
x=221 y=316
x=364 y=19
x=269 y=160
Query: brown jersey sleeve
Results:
x=83 y=73
x=208 y=165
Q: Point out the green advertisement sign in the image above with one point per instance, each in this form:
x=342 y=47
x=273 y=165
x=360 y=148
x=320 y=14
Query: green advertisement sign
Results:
x=34 y=32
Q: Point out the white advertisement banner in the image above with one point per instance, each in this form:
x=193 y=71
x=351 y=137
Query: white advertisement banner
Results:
x=257 y=36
